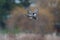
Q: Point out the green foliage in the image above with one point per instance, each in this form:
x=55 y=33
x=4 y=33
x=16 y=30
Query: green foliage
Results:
x=5 y=8
x=7 y=5
x=25 y=3
x=2 y=2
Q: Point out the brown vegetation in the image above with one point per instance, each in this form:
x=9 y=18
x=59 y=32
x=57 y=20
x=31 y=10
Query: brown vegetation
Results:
x=45 y=20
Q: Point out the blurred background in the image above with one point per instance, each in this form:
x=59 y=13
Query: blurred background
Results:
x=12 y=19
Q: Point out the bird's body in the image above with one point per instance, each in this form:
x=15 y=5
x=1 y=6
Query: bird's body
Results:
x=33 y=15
